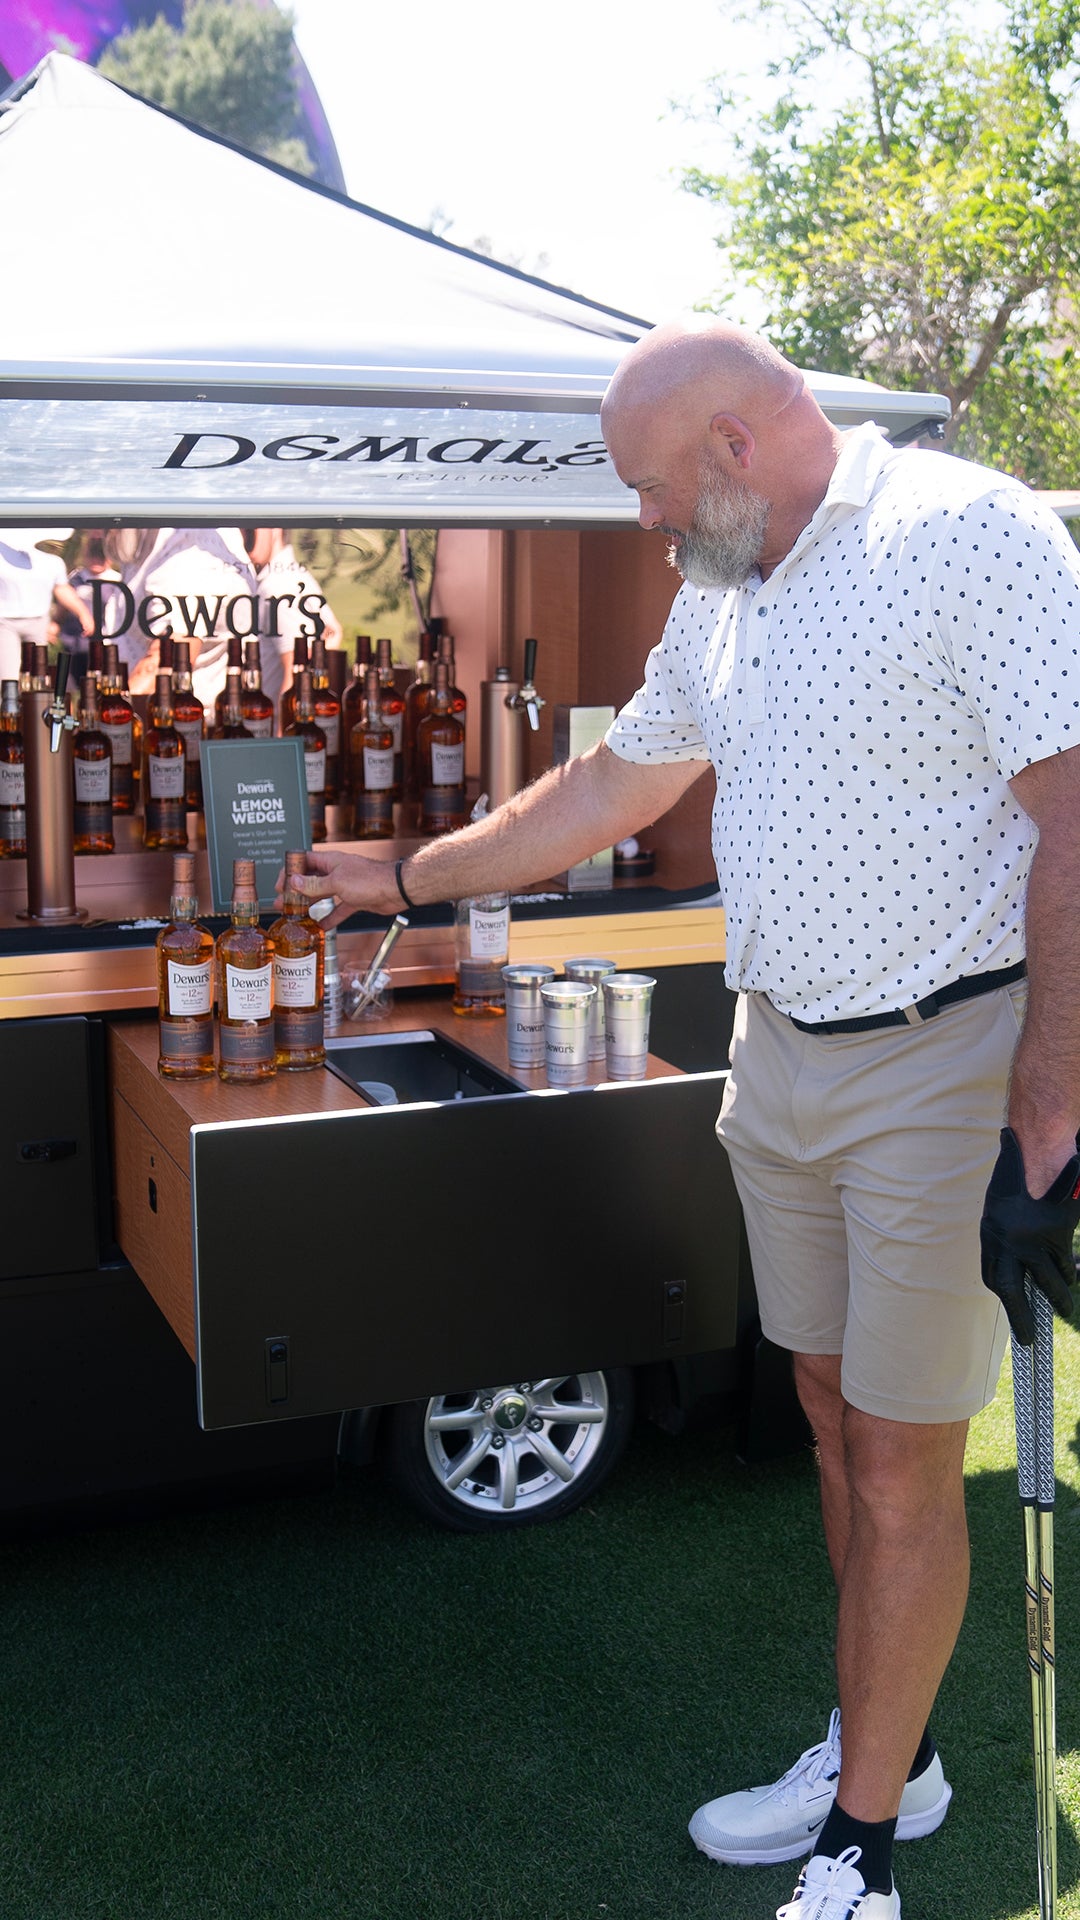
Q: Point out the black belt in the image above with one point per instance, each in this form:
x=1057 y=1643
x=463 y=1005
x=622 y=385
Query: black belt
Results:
x=915 y=1015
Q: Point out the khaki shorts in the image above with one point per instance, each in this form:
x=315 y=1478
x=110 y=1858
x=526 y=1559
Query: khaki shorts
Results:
x=862 y=1162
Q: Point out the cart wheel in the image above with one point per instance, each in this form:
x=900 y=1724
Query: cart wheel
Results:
x=510 y=1456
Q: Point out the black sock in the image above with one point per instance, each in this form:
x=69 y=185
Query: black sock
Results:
x=922 y=1759
x=874 y=1838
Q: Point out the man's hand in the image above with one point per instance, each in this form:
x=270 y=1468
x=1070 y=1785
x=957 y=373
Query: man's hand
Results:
x=1022 y=1236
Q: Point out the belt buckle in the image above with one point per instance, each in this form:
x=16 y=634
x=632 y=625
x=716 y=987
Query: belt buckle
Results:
x=915 y=1014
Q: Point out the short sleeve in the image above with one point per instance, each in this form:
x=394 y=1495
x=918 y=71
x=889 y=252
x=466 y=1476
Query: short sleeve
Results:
x=662 y=721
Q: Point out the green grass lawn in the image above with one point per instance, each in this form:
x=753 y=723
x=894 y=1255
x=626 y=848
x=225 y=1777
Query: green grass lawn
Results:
x=321 y=1709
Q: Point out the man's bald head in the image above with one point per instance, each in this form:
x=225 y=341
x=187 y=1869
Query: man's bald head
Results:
x=701 y=408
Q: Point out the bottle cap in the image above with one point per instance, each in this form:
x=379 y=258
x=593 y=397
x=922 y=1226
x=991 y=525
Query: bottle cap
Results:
x=183 y=872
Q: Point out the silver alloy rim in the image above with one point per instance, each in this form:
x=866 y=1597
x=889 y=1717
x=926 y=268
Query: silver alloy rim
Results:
x=510 y=1449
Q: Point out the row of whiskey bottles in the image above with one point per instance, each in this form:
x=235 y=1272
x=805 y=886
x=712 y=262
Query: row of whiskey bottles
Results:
x=265 y=986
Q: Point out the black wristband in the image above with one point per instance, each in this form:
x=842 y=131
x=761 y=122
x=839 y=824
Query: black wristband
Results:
x=398 y=864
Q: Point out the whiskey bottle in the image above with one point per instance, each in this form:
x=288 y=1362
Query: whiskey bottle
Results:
x=231 y=726
x=116 y=718
x=327 y=710
x=12 y=775
x=166 y=656
x=299 y=663
x=244 y=959
x=91 y=769
x=185 y=973
x=352 y=704
x=440 y=746
x=189 y=719
x=26 y=666
x=482 y=946
x=256 y=707
x=164 y=811
x=234 y=658
x=393 y=708
x=298 y=978
x=417 y=699
x=372 y=755
x=305 y=729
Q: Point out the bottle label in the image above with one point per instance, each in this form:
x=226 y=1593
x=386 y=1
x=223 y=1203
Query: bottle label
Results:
x=188 y=989
x=249 y=992
x=166 y=777
x=118 y=735
x=261 y=727
x=378 y=768
x=247 y=1046
x=298 y=1031
x=12 y=784
x=315 y=770
x=448 y=765
x=190 y=732
x=191 y=1038
x=296 y=980
x=396 y=723
x=489 y=932
x=93 y=781
x=13 y=827
x=374 y=809
x=331 y=726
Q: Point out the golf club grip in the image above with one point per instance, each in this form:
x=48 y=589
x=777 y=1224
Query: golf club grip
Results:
x=1043 y=1359
x=1024 y=1412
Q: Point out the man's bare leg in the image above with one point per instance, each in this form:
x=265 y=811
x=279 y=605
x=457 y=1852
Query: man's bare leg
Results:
x=893 y=1506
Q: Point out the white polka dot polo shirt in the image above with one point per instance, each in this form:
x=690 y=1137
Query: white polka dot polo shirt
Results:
x=864 y=709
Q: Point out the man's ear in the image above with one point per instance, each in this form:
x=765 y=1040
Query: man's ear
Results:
x=731 y=439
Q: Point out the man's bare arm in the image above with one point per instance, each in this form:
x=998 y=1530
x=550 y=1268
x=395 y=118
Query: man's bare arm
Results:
x=570 y=812
x=1044 y=1093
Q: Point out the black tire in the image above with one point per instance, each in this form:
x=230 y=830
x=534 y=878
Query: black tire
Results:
x=536 y=1450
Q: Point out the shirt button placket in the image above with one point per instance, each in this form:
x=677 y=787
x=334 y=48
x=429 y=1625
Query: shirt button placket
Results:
x=757 y=649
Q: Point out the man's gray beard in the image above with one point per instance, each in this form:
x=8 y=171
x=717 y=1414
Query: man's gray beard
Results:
x=723 y=543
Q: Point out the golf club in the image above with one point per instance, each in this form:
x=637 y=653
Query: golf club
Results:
x=1033 y=1400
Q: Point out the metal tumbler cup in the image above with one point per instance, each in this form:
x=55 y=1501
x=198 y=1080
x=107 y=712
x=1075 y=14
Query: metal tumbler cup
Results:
x=525 y=1011
x=587 y=967
x=627 y=1005
x=567 y=1007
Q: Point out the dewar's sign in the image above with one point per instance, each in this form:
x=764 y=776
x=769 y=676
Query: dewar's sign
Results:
x=168 y=461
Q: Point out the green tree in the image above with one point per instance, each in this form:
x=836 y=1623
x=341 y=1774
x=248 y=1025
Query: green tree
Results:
x=926 y=231
x=229 y=68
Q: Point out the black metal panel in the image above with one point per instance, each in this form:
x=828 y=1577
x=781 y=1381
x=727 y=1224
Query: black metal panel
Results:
x=47 y=1148
x=371 y=1257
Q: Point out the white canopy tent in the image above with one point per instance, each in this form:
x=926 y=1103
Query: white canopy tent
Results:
x=223 y=341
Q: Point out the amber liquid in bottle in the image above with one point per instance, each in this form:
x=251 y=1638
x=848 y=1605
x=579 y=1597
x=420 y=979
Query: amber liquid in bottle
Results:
x=417 y=701
x=300 y=664
x=116 y=718
x=244 y=962
x=314 y=743
x=12 y=775
x=234 y=663
x=163 y=775
x=352 y=704
x=327 y=713
x=440 y=741
x=232 y=713
x=256 y=707
x=299 y=945
x=372 y=755
x=189 y=719
x=185 y=973
x=91 y=772
x=393 y=710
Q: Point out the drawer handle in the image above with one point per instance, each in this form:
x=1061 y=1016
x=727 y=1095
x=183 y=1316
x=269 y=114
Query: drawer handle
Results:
x=48 y=1149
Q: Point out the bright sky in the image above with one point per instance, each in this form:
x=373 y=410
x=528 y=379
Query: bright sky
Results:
x=547 y=129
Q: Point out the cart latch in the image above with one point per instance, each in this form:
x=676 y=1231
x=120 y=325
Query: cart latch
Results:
x=277 y=1370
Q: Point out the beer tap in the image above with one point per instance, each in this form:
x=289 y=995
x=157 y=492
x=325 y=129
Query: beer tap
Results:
x=526 y=700
x=56 y=716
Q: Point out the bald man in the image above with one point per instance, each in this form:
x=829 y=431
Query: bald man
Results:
x=875 y=649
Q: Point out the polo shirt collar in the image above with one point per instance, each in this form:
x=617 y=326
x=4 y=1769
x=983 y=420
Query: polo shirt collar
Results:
x=863 y=453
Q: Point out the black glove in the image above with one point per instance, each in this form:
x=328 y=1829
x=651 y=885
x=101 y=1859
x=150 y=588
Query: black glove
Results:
x=1022 y=1236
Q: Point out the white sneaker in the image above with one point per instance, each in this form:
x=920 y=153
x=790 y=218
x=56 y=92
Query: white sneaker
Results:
x=763 y=1825
x=835 y=1890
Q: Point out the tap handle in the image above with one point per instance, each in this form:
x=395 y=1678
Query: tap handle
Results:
x=530 y=662
x=63 y=668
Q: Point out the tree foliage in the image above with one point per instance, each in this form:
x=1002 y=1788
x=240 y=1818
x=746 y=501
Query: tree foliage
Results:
x=925 y=232
x=229 y=68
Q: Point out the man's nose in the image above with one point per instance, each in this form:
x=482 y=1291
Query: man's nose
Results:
x=649 y=515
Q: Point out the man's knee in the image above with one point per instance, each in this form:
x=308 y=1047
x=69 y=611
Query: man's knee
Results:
x=817 y=1383
x=903 y=1473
